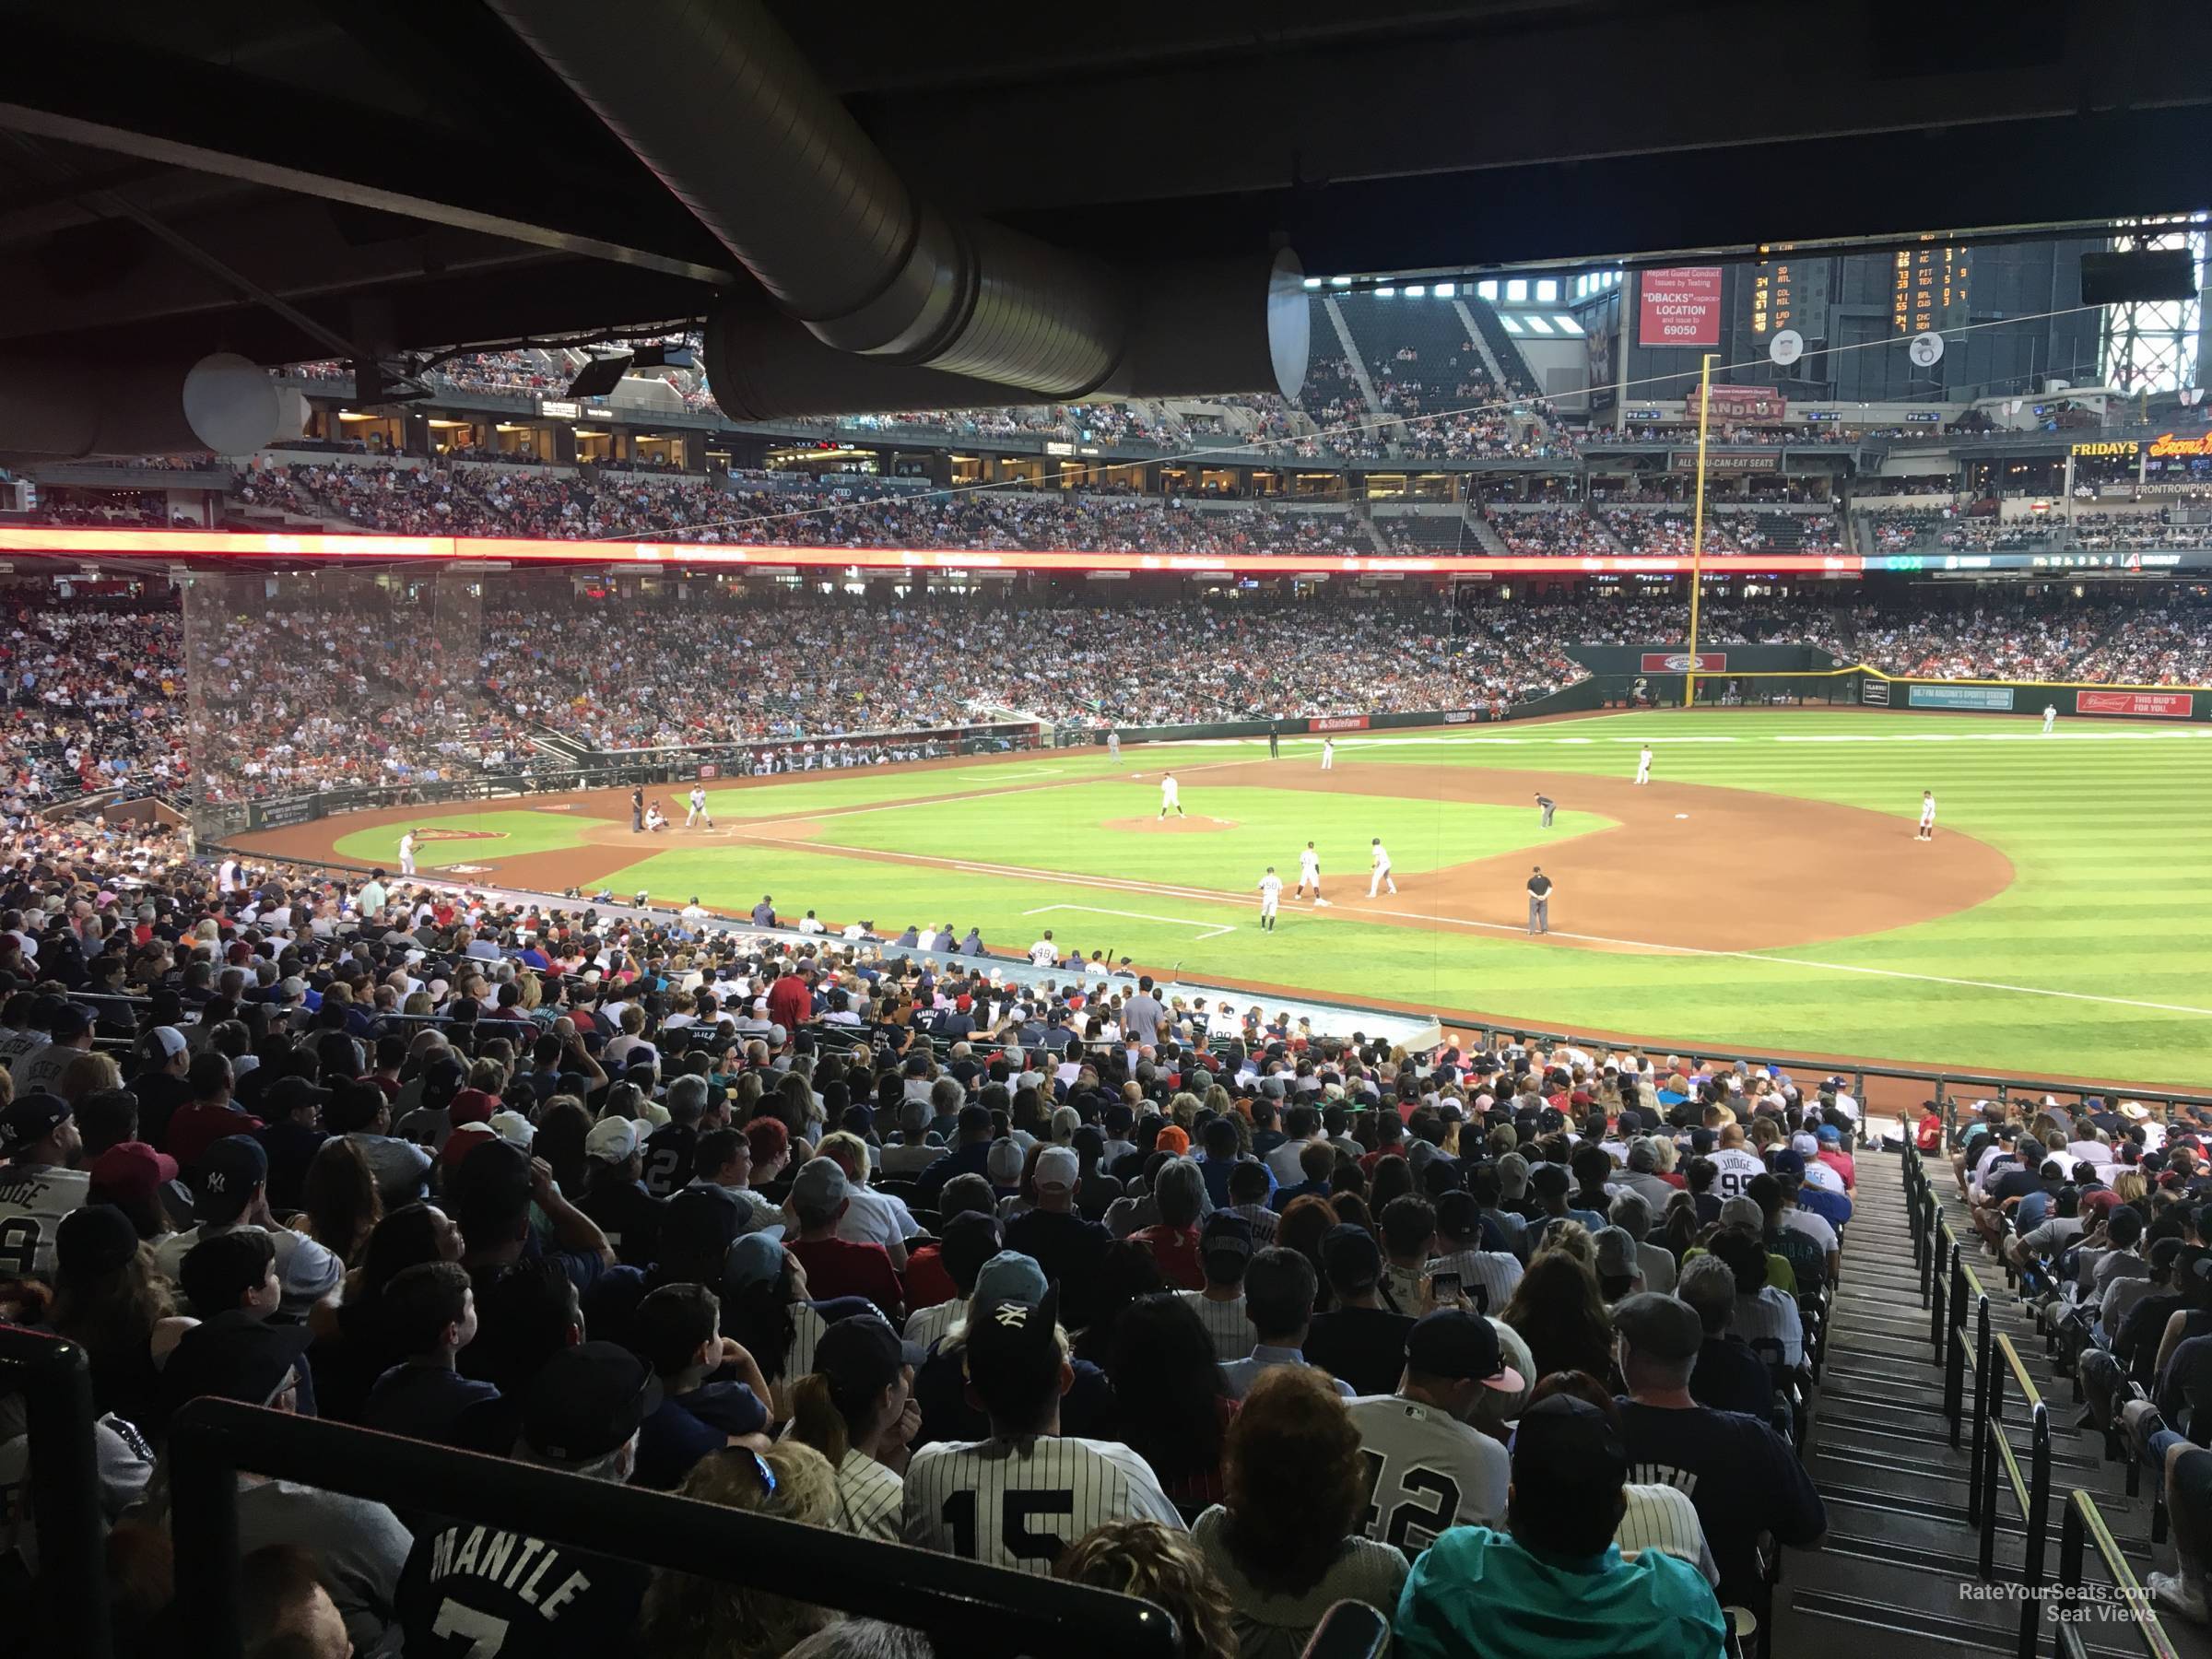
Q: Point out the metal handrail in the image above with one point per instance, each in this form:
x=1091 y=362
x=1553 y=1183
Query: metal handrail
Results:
x=967 y=1606
x=69 y=1598
x=2084 y=1524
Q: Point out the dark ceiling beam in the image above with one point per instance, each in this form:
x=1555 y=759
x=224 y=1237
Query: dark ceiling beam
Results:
x=1502 y=93
x=549 y=295
x=112 y=97
x=1718 y=204
x=291 y=247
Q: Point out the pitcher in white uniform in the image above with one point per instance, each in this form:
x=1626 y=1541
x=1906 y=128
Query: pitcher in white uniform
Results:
x=1171 y=796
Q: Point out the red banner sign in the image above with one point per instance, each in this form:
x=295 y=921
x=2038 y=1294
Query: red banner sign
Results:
x=1741 y=402
x=1679 y=307
x=1338 y=722
x=1681 y=662
x=2161 y=705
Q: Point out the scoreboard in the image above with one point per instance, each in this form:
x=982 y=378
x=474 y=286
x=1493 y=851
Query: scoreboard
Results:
x=1927 y=290
x=1785 y=291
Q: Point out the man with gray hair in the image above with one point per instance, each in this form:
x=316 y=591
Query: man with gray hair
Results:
x=1633 y=1215
x=671 y=1149
x=1728 y=1376
x=1179 y=1194
x=1642 y=1175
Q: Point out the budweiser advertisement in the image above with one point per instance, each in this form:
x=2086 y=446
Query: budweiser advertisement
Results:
x=1338 y=722
x=2158 y=705
x=1680 y=306
x=1681 y=662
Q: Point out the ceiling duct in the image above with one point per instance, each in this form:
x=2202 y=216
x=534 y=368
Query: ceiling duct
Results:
x=716 y=100
x=56 y=407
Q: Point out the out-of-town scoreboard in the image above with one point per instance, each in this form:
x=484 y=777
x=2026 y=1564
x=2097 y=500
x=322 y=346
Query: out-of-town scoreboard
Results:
x=1927 y=288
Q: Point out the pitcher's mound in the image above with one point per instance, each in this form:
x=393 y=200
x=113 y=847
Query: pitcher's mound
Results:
x=1196 y=824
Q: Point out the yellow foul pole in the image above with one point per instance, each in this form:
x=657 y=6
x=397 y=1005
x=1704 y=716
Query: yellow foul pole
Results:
x=1696 y=528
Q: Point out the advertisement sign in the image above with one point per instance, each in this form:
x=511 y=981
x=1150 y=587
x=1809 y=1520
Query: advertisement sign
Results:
x=1679 y=307
x=2159 y=705
x=1681 y=662
x=1741 y=402
x=1722 y=460
x=1988 y=697
x=1338 y=722
x=1875 y=692
x=278 y=815
x=2163 y=447
x=709 y=769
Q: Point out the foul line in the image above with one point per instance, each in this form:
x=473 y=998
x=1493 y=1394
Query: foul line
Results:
x=1207 y=930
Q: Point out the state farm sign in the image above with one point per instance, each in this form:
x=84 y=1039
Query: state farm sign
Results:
x=1679 y=307
x=1338 y=722
x=1681 y=662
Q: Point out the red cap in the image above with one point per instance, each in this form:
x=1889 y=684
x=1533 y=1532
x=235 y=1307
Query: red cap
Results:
x=1173 y=1139
x=130 y=1171
x=2100 y=1201
x=472 y=1106
x=465 y=1139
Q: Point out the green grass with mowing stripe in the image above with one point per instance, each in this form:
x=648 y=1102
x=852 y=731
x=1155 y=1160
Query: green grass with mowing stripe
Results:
x=518 y=832
x=2105 y=824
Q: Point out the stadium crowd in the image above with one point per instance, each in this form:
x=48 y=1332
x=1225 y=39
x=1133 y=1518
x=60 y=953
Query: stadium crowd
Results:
x=313 y=697
x=1250 y=1321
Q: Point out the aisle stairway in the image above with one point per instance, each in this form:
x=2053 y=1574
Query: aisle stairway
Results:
x=1900 y=1573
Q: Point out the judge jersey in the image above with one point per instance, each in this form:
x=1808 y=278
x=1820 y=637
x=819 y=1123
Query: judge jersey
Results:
x=1427 y=1471
x=1018 y=1504
x=33 y=1199
x=1738 y=1169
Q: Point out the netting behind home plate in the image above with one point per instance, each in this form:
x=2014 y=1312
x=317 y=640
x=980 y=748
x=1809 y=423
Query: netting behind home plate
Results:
x=312 y=681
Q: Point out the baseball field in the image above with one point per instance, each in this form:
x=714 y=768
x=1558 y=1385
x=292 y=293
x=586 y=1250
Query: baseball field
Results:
x=1766 y=890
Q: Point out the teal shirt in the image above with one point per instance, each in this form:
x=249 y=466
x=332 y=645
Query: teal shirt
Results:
x=1476 y=1591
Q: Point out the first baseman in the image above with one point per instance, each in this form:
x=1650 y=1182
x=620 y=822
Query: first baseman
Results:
x=1309 y=874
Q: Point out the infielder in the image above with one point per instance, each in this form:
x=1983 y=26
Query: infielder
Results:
x=1927 y=817
x=1328 y=754
x=1171 y=795
x=1378 y=862
x=699 y=807
x=406 y=852
x=1271 y=894
x=1643 y=767
x=1546 y=805
x=1539 y=900
x=2049 y=717
x=1113 y=745
x=1309 y=874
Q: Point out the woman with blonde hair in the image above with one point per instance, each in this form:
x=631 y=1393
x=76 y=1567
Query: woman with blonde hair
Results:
x=688 y=1618
x=1147 y=1559
x=88 y=1073
x=1285 y=1544
x=856 y=1408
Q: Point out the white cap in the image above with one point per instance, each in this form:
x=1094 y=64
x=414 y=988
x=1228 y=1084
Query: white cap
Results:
x=612 y=1140
x=513 y=1128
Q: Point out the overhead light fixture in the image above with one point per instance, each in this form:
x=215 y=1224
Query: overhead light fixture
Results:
x=601 y=375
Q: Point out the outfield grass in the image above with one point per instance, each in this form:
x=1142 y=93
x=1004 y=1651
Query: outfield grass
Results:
x=2097 y=962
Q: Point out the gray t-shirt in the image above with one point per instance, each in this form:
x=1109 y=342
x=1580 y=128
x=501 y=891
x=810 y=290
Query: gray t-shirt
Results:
x=1141 y=1016
x=360 y=1547
x=1276 y=1626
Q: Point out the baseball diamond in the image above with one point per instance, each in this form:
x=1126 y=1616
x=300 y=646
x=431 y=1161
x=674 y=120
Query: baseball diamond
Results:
x=1767 y=883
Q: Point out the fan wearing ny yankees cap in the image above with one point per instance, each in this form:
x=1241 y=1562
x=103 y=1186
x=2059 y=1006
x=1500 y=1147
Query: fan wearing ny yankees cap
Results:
x=1433 y=1468
x=1021 y=1496
x=230 y=1191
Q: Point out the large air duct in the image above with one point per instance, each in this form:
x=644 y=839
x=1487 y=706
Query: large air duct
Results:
x=70 y=409
x=716 y=100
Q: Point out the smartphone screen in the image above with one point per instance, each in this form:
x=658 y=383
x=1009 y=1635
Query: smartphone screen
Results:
x=1444 y=1288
